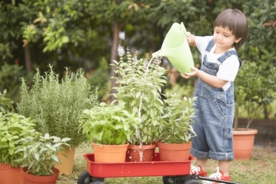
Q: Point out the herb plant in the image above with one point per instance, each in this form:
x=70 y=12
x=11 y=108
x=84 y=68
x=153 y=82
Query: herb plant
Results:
x=14 y=127
x=139 y=84
x=108 y=124
x=40 y=153
x=177 y=119
x=56 y=102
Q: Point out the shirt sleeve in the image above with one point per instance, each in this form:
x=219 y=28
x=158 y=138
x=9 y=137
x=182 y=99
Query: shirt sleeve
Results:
x=229 y=68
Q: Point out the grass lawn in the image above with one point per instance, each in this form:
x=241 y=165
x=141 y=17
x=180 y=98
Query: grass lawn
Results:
x=260 y=169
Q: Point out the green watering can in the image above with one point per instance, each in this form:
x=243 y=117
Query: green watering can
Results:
x=176 y=48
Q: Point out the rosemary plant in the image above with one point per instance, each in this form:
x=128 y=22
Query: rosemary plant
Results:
x=56 y=103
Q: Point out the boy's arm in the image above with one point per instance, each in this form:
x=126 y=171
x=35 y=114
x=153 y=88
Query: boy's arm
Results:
x=209 y=79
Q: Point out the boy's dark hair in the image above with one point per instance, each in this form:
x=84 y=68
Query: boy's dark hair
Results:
x=235 y=21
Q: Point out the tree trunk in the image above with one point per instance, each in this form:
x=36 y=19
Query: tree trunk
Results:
x=27 y=58
x=265 y=111
x=236 y=117
x=114 y=55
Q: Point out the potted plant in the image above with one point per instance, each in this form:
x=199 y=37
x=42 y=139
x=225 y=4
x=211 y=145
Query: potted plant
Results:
x=56 y=103
x=175 y=138
x=14 y=127
x=252 y=94
x=139 y=84
x=39 y=157
x=109 y=128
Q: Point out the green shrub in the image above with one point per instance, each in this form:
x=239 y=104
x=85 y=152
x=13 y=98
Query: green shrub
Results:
x=56 y=104
x=5 y=103
x=10 y=80
x=100 y=78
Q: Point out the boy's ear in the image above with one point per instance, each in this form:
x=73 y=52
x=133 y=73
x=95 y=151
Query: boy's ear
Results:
x=237 y=40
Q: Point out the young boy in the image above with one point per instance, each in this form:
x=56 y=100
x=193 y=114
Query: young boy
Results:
x=215 y=92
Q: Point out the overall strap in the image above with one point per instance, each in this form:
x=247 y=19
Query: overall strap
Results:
x=210 y=45
x=228 y=54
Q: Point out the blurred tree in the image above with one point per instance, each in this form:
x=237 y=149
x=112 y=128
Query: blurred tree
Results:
x=118 y=13
x=10 y=80
x=75 y=33
x=261 y=44
x=61 y=32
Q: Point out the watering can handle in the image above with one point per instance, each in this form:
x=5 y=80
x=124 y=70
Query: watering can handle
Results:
x=184 y=29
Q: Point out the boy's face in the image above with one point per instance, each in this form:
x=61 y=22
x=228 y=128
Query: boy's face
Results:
x=224 y=38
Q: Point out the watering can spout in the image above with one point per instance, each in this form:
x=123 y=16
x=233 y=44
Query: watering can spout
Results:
x=176 y=48
x=161 y=53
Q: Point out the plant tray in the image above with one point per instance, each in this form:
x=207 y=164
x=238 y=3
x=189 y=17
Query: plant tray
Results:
x=137 y=169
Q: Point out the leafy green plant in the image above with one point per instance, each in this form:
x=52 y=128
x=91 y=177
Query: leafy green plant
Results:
x=259 y=49
x=56 y=103
x=108 y=124
x=177 y=117
x=139 y=84
x=14 y=127
x=252 y=92
x=40 y=153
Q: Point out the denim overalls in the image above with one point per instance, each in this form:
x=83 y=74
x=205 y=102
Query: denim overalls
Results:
x=215 y=114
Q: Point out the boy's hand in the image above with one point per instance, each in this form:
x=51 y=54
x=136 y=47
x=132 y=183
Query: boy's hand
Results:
x=191 y=39
x=194 y=72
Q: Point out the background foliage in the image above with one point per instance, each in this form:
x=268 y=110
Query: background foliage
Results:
x=79 y=34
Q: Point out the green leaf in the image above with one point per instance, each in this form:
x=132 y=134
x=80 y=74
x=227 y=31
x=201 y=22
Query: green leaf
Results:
x=55 y=158
x=36 y=156
x=65 y=39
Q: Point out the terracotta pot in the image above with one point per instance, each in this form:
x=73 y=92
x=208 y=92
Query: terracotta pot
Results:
x=142 y=153
x=174 y=152
x=17 y=175
x=67 y=161
x=109 y=153
x=243 y=143
x=6 y=174
x=33 y=179
x=10 y=175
